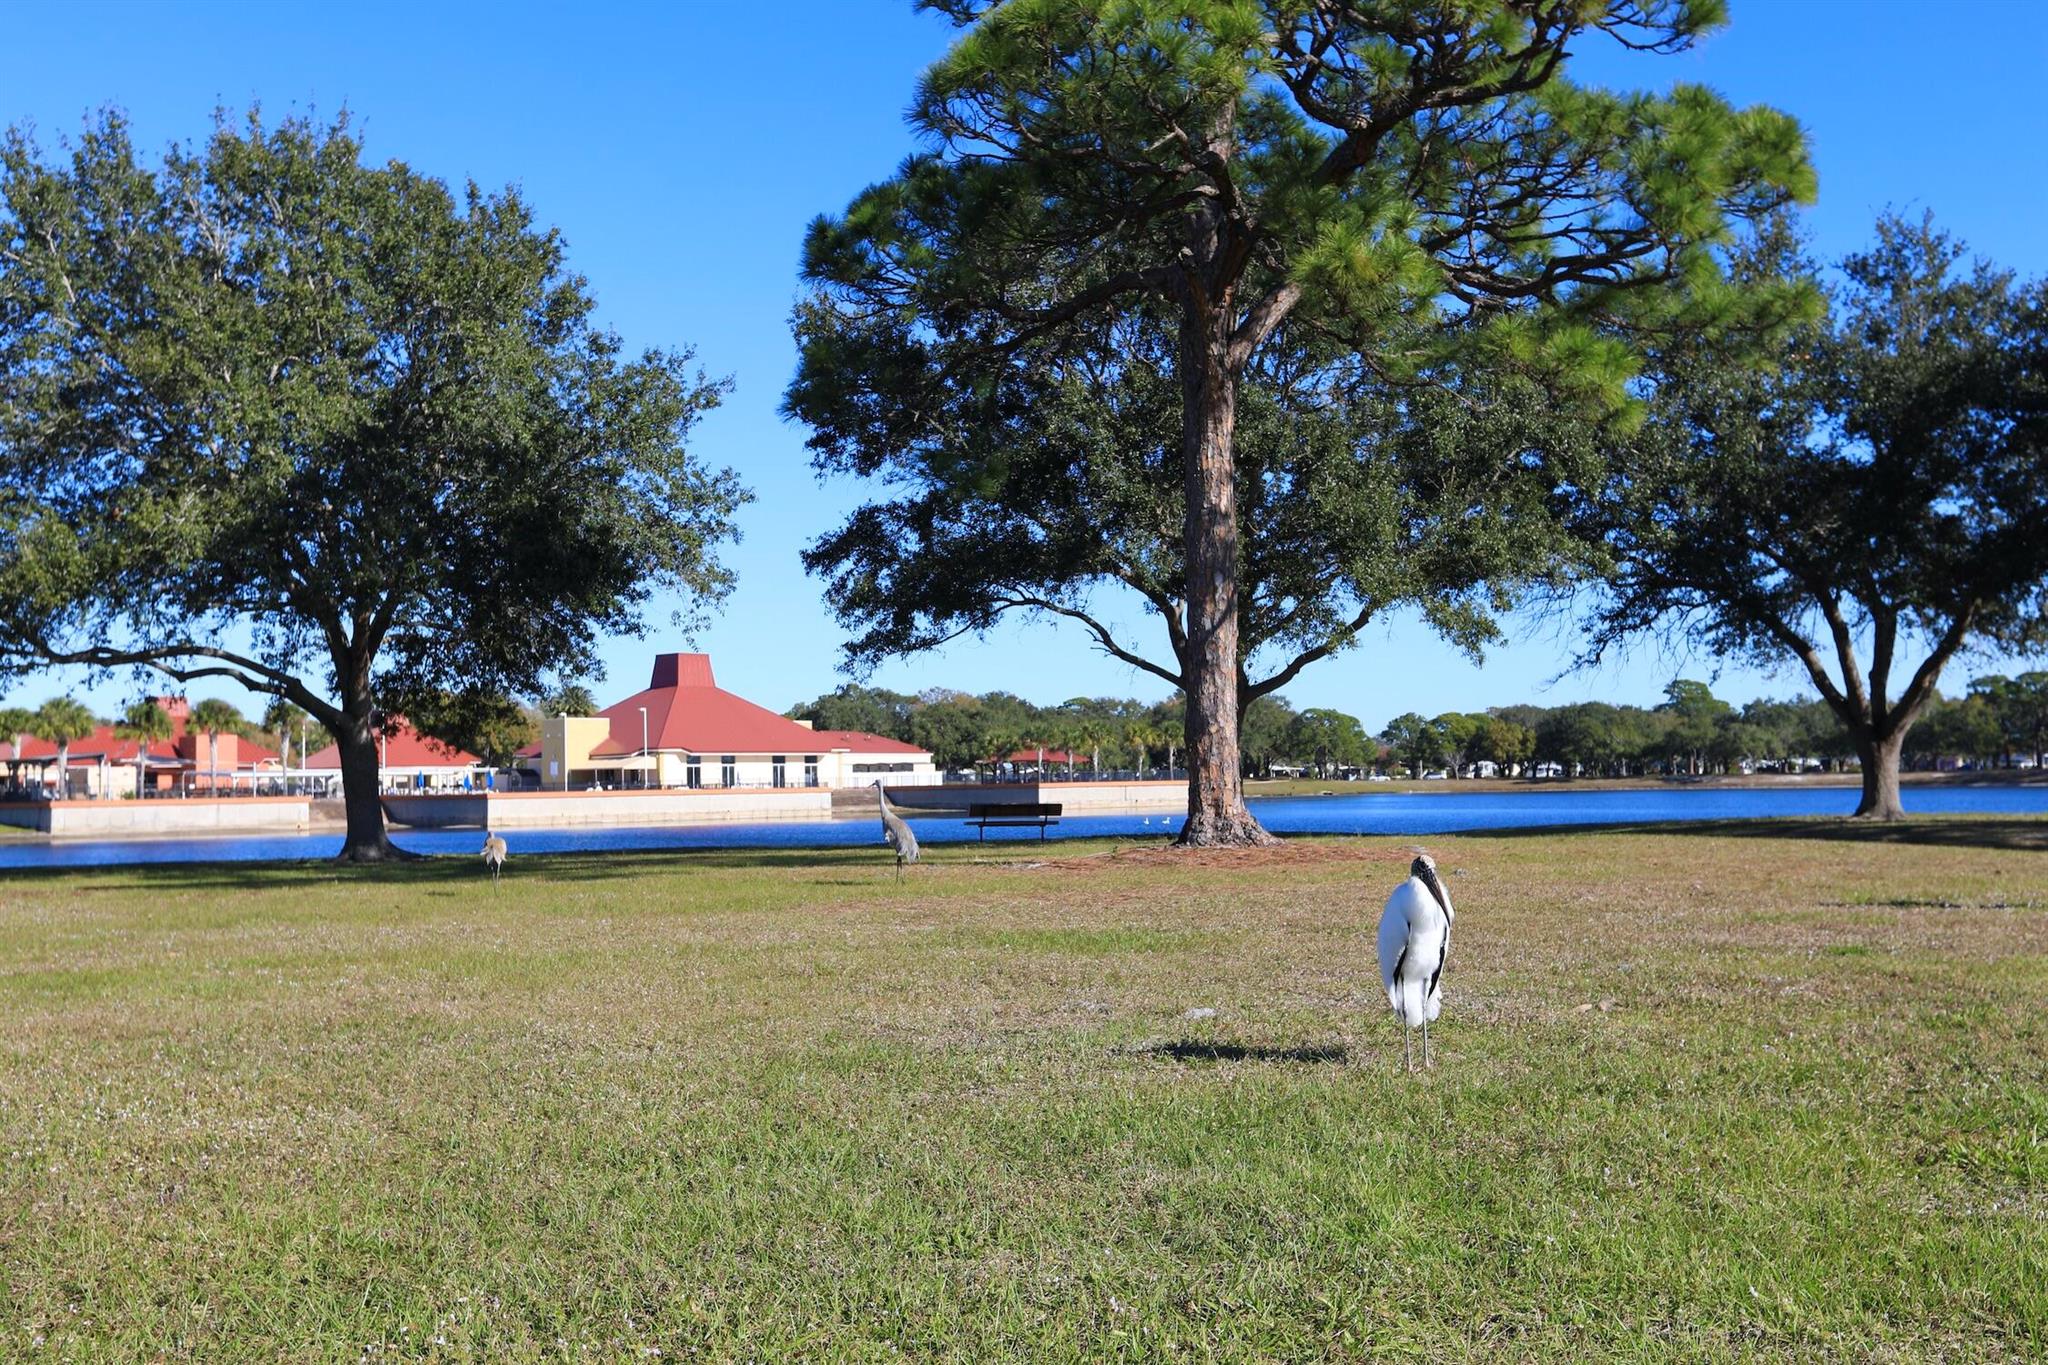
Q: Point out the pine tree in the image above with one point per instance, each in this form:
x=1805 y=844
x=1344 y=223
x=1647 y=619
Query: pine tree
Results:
x=1386 y=190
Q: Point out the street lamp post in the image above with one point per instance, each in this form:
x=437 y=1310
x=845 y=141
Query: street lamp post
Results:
x=643 y=748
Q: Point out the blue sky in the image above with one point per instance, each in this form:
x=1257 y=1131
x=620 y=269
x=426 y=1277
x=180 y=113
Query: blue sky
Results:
x=682 y=149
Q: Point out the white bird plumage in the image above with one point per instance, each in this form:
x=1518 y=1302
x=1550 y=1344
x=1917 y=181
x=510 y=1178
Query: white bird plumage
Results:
x=1415 y=938
x=494 y=854
x=896 y=833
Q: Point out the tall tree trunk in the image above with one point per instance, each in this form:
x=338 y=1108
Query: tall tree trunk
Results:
x=357 y=739
x=64 y=771
x=1880 y=761
x=1217 y=816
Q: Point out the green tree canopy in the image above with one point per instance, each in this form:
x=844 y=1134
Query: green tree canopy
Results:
x=1414 y=741
x=1459 y=731
x=326 y=428
x=2019 y=708
x=958 y=732
x=874 y=710
x=573 y=699
x=1268 y=733
x=1502 y=742
x=1871 y=489
x=1328 y=739
x=493 y=727
x=1179 y=222
x=1697 y=720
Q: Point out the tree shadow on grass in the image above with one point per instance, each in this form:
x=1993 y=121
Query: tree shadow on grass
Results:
x=434 y=870
x=2018 y=832
x=1191 y=1050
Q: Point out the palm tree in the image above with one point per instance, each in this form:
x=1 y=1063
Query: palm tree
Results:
x=1065 y=734
x=146 y=723
x=211 y=718
x=17 y=723
x=1003 y=740
x=1091 y=732
x=281 y=718
x=62 y=720
x=1143 y=737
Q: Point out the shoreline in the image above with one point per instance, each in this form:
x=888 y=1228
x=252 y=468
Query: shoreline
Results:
x=328 y=827
x=1312 y=786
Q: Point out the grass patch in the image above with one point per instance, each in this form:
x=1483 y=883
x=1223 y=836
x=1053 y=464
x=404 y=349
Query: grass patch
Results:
x=1747 y=1094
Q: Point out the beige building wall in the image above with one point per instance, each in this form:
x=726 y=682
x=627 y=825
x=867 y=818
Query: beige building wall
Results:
x=565 y=745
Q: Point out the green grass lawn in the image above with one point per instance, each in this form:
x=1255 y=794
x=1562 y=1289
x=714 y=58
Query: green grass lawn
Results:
x=1753 y=1092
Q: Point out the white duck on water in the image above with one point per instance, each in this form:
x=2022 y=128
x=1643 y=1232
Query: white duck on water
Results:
x=1415 y=938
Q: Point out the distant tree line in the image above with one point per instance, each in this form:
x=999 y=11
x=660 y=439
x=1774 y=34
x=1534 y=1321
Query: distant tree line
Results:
x=2000 y=722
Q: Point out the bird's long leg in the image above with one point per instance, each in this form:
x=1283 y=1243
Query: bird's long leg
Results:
x=1407 y=1044
x=1425 y=1042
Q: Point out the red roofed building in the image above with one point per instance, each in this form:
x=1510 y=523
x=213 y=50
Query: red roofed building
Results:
x=103 y=764
x=407 y=759
x=683 y=730
x=1046 y=758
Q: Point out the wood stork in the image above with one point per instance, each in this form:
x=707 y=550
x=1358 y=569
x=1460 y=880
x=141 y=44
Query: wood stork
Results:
x=896 y=832
x=494 y=854
x=1415 y=937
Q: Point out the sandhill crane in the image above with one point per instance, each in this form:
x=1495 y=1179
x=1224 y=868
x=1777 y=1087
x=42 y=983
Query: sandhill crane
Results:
x=494 y=854
x=896 y=832
x=1415 y=937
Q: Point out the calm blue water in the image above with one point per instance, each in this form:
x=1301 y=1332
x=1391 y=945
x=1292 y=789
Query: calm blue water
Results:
x=1364 y=813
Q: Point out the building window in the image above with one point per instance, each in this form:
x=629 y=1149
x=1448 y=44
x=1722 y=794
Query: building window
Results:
x=781 y=762
x=810 y=770
x=693 y=772
x=731 y=775
x=883 y=767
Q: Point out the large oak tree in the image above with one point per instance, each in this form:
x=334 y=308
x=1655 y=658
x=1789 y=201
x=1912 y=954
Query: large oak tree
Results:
x=325 y=428
x=1866 y=498
x=1393 y=190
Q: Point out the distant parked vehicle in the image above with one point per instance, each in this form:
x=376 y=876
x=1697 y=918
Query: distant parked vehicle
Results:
x=1378 y=777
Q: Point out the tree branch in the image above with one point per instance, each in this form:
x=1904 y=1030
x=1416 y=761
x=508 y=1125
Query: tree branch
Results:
x=1101 y=632
x=1331 y=643
x=253 y=674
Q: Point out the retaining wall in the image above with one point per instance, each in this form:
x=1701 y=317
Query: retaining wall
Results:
x=512 y=810
x=67 y=819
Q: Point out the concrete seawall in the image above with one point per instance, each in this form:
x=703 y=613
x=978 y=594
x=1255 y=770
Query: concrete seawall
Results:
x=76 y=818
x=516 y=810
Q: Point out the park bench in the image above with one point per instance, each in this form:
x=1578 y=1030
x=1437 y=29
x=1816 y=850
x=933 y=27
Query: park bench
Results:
x=1013 y=814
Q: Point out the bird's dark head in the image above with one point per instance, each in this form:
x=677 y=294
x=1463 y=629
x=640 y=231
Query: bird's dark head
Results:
x=1423 y=869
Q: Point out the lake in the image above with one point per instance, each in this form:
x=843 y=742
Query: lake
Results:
x=1393 y=813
